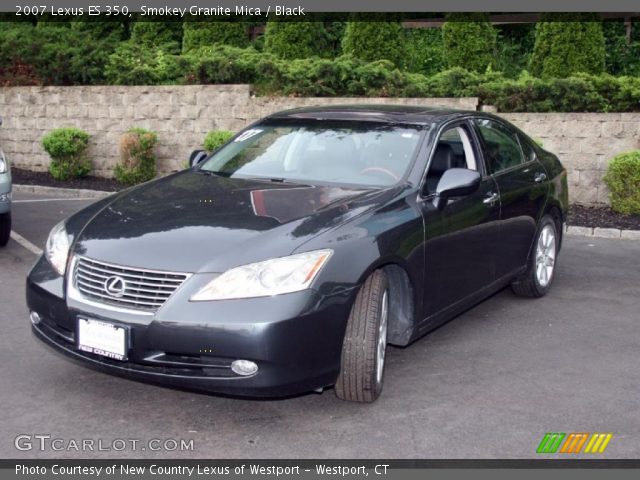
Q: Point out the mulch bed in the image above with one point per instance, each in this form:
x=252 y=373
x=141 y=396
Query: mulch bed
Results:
x=26 y=177
x=603 y=217
x=579 y=215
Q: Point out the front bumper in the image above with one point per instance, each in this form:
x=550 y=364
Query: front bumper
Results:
x=295 y=339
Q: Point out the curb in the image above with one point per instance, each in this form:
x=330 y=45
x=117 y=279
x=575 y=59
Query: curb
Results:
x=61 y=192
x=598 y=232
x=83 y=193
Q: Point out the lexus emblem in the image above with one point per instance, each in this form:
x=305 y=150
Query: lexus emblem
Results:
x=115 y=286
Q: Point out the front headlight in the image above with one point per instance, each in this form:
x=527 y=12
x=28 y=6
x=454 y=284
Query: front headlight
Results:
x=4 y=165
x=262 y=279
x=57 y=248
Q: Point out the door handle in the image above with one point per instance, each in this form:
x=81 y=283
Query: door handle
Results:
x=540 y=177
x=491 y=198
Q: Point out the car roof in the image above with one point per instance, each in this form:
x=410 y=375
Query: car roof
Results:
x=403 y=114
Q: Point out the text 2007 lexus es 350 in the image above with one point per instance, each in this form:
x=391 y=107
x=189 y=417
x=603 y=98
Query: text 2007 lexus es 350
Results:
x=287 y=260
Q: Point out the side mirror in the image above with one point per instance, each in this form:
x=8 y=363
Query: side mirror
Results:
x=196 y=157
x=455 y=182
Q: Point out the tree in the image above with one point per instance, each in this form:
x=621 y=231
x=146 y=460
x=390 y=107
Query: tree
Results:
x=290 y=40
x=371 y=41
x=153 y=33
x=206 y=34
x=469 y=41
x=566 y=44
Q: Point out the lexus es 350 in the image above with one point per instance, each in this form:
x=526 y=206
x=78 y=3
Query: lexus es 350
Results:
x=287 y=260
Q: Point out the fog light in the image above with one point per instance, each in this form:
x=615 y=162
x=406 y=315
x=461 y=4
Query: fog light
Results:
x=35 y=317
x=244 y=367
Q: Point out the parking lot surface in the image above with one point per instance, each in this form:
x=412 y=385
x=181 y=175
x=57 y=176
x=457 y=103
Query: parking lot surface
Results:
x=489 y=384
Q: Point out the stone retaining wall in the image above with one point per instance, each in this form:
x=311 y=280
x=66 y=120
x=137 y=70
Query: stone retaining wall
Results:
x=182 y=115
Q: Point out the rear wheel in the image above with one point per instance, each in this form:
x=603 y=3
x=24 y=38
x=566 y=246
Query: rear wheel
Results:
x=5 y=228
x=536 y=281
x=365 y=342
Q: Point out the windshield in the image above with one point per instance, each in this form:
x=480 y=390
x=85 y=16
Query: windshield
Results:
x=359 y=153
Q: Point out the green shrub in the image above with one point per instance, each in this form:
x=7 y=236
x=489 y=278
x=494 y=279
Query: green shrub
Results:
x=158 y=34
x=137 y=157
x=67 y=149
x=564 y=46
x=578 y=93
x=335 y=34
x=296 y=39
x=469 y=41
x=215 y=139
x=207 y=34
x=371 y=41
x=623 y=180
x=513 y=48
x=621 y=57
x=221 y=64
x=135 y=64
x=100 y=30
x=58 y=55
x=425 y=50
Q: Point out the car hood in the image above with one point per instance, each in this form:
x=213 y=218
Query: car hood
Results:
x=195 y=222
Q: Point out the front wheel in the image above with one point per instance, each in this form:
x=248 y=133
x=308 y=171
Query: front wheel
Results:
x=5 y=228
x=536 y=281
x=365 y=342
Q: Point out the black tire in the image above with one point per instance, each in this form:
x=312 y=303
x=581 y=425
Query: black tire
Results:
x=529 y=285
x=358 y=378
x=5 y=228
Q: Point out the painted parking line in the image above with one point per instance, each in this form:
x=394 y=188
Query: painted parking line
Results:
x=25 y=243
x=54 y=200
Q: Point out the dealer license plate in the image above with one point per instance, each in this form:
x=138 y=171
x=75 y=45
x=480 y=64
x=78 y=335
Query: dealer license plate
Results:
x=102 y=338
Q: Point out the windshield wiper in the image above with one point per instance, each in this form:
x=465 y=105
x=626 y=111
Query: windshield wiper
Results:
x=270 y=179
x=213 y=173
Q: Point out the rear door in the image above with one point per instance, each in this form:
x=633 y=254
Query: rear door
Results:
x=521 y=182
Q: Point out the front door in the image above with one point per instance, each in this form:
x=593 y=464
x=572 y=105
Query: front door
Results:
x=461 y=240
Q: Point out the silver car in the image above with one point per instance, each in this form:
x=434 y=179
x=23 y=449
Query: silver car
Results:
x=5 y=197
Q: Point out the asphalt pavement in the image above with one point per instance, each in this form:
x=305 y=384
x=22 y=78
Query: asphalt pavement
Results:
x=489 y=384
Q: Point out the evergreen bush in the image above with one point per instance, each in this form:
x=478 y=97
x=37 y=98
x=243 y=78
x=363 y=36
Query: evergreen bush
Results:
x=137 y=157
x=623 y=180
x=566 y=44
x=372 y=41
x=206 y=34
x=290 y=40
x=67 y=149
x=469 y=41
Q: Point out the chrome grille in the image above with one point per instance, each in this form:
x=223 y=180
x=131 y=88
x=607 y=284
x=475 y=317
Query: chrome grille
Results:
x=141 y=289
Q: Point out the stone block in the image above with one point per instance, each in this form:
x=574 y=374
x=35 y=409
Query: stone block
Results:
x=630 y=234
x=606 y=232
x=590 y=178
x=583 y=195
x=581 y=231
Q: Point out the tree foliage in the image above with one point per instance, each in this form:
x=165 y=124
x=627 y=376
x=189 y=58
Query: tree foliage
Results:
x=566 y=44
x=296 y=39
x=375 y=40
x=157 y=34
x=206 y=34
x=469 y=41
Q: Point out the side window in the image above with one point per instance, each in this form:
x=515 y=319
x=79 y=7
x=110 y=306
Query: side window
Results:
x=527 y=149
x=501 y=146
x=453 y=150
